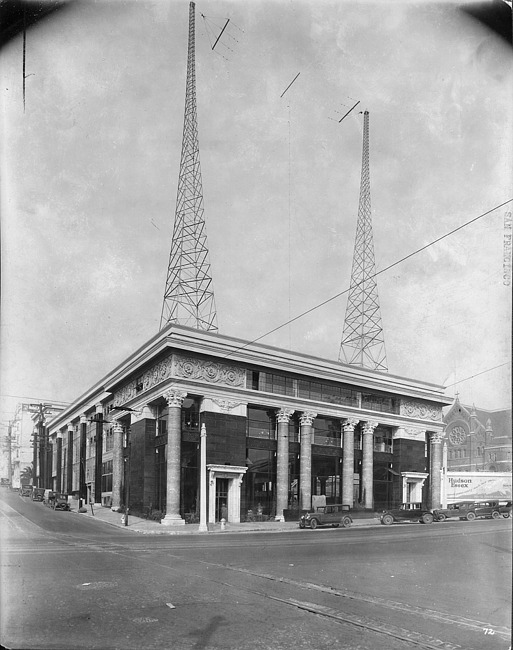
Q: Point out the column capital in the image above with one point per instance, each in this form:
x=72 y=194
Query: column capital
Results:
x=118 y=427
x=283 y=416
x=59 y=435
x=71 y=427
x=175 y=397
x=98 y=408
x=436 y=437
x=307 y=418
x=349 y=424
x=369 y=426
x=83 y=419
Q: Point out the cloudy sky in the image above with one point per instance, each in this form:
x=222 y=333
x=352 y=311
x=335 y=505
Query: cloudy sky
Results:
x=90 y=171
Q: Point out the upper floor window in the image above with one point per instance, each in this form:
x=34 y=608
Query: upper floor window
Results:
x=261 y=423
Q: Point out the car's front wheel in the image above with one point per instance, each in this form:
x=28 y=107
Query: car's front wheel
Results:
x=387 y=520
x=427 y=518
x=496 y=514
x=301 y=524
x=471 y=516
x=441 y=517
x=313 y=524
x=346 y=522
x=505 y=515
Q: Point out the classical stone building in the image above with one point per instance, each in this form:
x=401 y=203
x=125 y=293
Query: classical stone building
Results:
x=477 y=439
x=281 y=428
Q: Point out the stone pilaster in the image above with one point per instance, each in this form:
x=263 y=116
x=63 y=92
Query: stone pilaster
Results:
x=348 y=461
x=282 y=462
x=368 y=463
x=305 y=471
x=117 y=467
x=435 y=467
x=175 y=398
x=98 y=452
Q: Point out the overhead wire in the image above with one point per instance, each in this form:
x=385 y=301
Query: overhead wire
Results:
x=387 y=268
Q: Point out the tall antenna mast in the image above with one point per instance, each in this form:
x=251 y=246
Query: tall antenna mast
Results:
x=363 y=343
x=189 y=293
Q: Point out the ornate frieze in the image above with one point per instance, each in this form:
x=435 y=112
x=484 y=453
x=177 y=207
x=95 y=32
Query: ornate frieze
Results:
x=212 y=373
x=419 y=409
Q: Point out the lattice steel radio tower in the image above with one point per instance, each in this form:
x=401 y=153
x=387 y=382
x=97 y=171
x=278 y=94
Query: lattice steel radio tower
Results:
x=363 y=343
x=189 y=293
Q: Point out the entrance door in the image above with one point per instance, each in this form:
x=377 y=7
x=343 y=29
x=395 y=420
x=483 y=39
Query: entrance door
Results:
x=221 y=498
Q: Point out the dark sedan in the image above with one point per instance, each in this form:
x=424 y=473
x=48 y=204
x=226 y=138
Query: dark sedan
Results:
x=407 y=512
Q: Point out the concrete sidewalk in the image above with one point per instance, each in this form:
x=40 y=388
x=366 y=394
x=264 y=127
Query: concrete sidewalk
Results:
x=148 y=527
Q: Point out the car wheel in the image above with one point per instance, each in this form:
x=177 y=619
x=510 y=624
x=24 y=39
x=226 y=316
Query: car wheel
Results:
x=301 y=524
x=427 y=518
x=441 y=517
x=346 y=522
x=335 y=525
x=471 y=516
x=496 y=514
x=387 y=520
x=505 y=515
x=313 y=524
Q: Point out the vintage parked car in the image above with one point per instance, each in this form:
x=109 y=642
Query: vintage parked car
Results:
x=468 y=510
x=48 y=498
x=505 y=508
x=26 y=491
x=38 y=494
x=60 y=502
x=333 y=515
x=407 y=512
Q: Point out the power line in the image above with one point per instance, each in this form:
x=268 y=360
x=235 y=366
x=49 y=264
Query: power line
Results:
x=36 y=399
x=460 y=381
x=387 y=268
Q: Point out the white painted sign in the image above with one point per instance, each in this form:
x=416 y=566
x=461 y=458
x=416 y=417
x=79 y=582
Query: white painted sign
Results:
x=463 y=486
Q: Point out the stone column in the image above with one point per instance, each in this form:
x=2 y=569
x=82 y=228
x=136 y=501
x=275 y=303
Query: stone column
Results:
x=305 y=460
x=435 y=466
x=368 y=464
x=82 y=488
x=117 y=467
x=69 y=477
x=175 y=398
x=58 y=469
x=282 y=463
x=98 y=451
x=348 y=461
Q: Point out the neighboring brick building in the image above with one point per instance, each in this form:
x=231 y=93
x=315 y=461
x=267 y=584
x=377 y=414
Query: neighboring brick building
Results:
x=477 y=439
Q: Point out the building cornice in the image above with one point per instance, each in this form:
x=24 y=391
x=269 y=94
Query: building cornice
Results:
x=227 y=349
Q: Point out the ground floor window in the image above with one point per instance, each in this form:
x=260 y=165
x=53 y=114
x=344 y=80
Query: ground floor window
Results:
x=326 y=477
x=259 y=484
x=189 y=492
x=107 y=476
x=160 y=477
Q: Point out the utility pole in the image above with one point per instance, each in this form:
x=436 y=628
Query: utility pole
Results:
x=363 y=343
x=189 y=294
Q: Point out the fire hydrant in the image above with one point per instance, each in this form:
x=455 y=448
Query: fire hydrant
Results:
x=223 y=524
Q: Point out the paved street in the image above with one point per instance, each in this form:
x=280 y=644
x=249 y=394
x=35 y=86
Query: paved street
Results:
x=74 y=581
